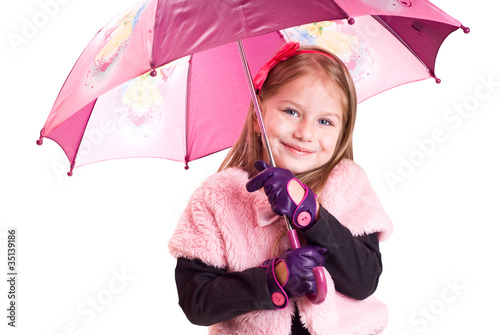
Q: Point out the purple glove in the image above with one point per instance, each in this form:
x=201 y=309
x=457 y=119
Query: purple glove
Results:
x=300 y=264
x=275 y=182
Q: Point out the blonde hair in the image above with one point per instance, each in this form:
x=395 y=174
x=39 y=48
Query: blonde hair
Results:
x=249 y=148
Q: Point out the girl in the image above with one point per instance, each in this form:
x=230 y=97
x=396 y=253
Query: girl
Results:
x=228 y=274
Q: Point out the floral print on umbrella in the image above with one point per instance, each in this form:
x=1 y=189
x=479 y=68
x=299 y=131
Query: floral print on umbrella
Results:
x=334 y=36
x=141 y=98
x=115 y=38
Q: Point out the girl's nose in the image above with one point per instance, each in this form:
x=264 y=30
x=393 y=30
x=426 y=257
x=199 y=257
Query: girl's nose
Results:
x=304 y=130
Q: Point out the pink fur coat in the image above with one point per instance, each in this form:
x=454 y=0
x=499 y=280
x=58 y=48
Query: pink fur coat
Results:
x=227 y=227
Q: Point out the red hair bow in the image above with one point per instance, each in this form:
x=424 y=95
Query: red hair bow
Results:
x=287 y=51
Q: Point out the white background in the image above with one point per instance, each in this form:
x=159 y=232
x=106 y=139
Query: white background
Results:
x=76 y=234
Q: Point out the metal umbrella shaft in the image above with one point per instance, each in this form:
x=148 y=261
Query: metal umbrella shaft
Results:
x=319 y=275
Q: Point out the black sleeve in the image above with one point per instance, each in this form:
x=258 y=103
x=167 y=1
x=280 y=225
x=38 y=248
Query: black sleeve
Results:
x=354 y=262
x=210 y=295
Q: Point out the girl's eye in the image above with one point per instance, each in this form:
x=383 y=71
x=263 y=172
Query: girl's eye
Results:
x=325 y=122
x=291 y=112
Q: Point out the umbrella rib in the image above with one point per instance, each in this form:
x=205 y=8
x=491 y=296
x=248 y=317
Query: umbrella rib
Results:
x=400 y=39
x=188 y=95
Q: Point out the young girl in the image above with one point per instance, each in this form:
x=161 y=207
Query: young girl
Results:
x=235 y=271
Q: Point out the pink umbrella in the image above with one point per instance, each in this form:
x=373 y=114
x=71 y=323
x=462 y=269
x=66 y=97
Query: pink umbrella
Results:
x=164 y=79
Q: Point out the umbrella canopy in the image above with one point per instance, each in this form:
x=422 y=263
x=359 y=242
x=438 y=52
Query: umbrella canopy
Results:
x=165 y=79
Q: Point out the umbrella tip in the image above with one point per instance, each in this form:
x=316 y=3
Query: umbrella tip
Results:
x=40 y=140
x=70 y=173
x=351 y=21
x=465 y=29
x=438 y=81
x=153 y=73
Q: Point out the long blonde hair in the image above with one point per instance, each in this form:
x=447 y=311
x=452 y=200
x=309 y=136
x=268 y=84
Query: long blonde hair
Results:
x=249 y=148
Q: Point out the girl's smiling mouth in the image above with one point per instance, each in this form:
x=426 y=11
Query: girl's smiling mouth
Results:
x=297 y=150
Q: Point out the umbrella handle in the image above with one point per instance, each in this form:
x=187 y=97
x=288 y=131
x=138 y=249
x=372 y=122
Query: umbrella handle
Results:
x=319 y=272
x=321 y=288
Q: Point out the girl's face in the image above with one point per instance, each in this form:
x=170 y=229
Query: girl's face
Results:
x=303 y=123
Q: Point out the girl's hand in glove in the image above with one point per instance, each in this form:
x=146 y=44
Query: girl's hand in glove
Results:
x=299 y=278
x=286 y=194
